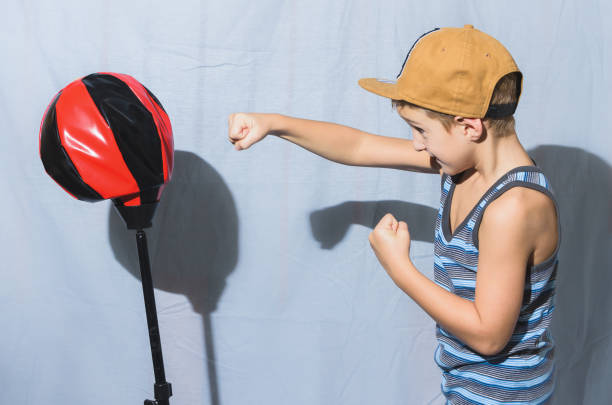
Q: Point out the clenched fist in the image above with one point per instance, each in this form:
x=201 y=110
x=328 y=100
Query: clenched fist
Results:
x=245 y=129
x=390 y=241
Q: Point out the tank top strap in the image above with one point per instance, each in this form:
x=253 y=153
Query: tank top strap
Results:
x=446 y=183
x=522 y=176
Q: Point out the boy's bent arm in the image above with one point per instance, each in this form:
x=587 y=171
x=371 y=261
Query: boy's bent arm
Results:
x=485 y=324
x=350 y=146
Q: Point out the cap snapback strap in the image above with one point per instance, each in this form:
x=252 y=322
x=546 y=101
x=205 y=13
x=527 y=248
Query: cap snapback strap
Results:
x=500 y=110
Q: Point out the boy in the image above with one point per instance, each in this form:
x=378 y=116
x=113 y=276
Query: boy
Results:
x=497 y=231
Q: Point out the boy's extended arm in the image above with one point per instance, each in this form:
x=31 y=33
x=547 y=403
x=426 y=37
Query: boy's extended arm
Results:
x=335 y=142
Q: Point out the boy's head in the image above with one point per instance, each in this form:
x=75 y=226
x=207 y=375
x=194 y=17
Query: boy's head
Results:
x=456 y=72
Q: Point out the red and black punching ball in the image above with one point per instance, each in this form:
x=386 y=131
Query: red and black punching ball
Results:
x=106 y=136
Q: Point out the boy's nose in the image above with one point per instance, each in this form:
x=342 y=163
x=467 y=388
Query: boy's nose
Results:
x=418 y=145
x=417 y=141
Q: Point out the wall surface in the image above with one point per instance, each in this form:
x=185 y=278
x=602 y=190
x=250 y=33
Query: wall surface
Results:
x=267 y=289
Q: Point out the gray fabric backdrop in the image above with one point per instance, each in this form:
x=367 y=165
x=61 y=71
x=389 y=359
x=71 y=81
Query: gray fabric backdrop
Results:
x=267 y=290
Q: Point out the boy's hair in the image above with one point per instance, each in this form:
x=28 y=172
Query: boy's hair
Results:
x=505 y=92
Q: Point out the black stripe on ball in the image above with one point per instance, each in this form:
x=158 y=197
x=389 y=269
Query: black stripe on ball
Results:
x=133 y=127
x=56 y=161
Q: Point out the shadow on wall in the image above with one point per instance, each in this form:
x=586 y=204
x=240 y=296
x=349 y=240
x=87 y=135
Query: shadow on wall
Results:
x=194 y=239
x=193 y=244
x=329 y=225
x=582 y=322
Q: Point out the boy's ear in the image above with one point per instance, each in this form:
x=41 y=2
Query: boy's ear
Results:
x=473 y=128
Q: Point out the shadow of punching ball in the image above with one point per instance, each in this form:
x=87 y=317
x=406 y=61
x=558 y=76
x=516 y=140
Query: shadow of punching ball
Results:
x=193 y=243
x=106 y=136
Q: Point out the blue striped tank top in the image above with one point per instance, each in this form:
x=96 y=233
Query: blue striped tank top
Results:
x=522 y=373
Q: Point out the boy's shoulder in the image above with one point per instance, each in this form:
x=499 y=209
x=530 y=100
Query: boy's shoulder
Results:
x=529 y=214
x=522 y=201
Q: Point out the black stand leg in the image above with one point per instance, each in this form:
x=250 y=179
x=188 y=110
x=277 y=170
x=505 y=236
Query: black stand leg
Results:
x=163 y=389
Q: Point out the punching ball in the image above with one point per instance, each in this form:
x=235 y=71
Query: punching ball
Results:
x=106 y=136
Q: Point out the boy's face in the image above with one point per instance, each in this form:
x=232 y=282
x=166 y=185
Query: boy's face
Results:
x=453 y=150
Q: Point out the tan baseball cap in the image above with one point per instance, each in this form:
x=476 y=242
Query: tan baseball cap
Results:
x=452 y=71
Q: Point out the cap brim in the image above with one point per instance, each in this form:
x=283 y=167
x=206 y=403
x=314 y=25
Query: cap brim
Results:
x=385 y=88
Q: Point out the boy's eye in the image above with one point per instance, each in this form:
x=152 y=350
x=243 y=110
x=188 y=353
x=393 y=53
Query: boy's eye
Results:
x=419 y=130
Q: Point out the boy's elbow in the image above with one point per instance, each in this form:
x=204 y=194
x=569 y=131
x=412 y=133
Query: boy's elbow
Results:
x=490 y=349
x=490 y=346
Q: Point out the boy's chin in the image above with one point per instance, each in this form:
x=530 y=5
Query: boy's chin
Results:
x=449 y=171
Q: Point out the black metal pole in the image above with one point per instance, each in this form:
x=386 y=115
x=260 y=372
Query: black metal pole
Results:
x=163 y=389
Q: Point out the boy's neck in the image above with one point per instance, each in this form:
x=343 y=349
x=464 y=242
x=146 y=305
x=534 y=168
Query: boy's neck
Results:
x=495 y=156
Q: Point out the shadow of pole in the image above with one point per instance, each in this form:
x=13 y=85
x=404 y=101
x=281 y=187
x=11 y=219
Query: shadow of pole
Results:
x=193 y=244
